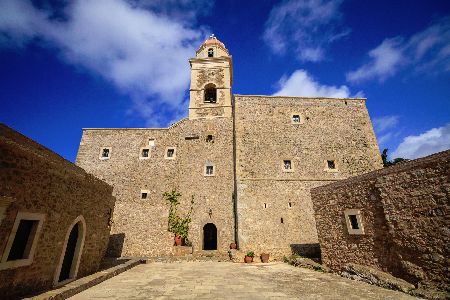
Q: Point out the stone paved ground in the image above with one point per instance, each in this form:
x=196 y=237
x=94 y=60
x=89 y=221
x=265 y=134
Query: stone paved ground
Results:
x=223 y=280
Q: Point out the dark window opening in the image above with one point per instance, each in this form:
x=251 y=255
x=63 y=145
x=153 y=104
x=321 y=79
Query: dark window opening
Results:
x=345 y=102
x=287 y=164
x=290 y=204
x=282 y=221
x=296 y=118
x=145 y=152
x=209 y=170
x=265 y=205
x=210 y=52
x=170 y=152
x=144 y=195
x=23 y=240
x=331 y=164
x=353 y=221
x=210 y=93
x=210 y=138
x=105 y=152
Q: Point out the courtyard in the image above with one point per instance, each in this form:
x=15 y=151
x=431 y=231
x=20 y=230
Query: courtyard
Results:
x=223 y=280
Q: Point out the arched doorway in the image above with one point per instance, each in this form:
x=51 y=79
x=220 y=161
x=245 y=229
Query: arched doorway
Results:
x=209 y=237
x=72 y=250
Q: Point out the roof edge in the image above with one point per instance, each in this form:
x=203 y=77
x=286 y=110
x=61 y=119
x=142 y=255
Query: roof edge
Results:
x=302 y=97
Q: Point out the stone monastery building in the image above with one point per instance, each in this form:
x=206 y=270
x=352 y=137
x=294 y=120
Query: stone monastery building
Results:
x=250 y=162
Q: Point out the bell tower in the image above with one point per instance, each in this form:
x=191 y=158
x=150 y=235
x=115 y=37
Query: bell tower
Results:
x=211 y=79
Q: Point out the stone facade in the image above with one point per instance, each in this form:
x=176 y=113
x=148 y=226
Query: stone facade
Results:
x=141 y=224
x=246 y=139
x=403 y=216
x=275 y=212
x=49 y=196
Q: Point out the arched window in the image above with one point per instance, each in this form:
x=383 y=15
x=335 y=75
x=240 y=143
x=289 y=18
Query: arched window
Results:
x=210 y=93
x=210 y=52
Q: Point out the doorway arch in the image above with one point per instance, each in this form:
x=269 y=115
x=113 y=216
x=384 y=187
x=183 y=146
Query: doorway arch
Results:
x=69 y=261
x=209 y=237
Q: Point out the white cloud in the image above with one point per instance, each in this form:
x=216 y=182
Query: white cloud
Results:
x=300 y=83
x=304 y=28
x=429 y=142
x=143 y=52
x=426 y=51
x=382 y=124
x=384 y=127
x=384 y=61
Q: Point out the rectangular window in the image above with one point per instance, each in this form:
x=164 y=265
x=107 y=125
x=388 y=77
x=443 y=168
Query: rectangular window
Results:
x=170 y=153
x=145 y=152
x=151 y=142
x=210 y=138
x=144 y=195
x=295 y=118
x=353 y=220
x=331 y=165
x=287 y=165
x=105 y=153
x=21 y=244
x=209 y=170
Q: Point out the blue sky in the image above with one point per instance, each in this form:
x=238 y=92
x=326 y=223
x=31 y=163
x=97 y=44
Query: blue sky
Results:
x=66 y=65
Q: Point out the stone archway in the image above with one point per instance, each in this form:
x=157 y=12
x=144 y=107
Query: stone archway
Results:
x=209 y=237
x=71 y=255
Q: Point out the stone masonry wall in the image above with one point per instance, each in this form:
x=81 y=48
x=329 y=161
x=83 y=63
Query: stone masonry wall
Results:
x=140 y=225
x=405 y=214
x=330 y=129
x=39 y=181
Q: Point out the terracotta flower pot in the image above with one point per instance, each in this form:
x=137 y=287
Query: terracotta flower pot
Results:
x=264 y=257
x=233 y=246
x=248 y=259
x=179 y=240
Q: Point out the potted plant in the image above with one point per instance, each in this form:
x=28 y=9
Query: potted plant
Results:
x=249 y=257
x=264 y=257
x=177 y=225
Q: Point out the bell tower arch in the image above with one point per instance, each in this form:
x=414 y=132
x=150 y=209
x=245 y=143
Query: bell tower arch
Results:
x=211 y=80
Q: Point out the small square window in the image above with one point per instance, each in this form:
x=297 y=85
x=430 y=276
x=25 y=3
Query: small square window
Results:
x=170 y=153
x=296 y=119
x=105 y=153
x=331 y=165
x=287 y=165
x=151 y=142
x=145 y=153
x=209 y=170
x=144 y=195
x=353 y=221
x=210 y=138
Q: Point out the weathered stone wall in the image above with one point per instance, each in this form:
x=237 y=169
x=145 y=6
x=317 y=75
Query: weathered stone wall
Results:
x=140 y=225
x=405 y=214
x=37 y=180
x=329 y=129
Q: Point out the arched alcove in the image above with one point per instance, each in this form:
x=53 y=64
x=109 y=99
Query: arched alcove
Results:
x=210 y=93
x=209 y=237
x=69 y=261
x=210 y=52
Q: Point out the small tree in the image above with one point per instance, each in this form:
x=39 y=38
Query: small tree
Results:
x=176 y=224
x=388 y=163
